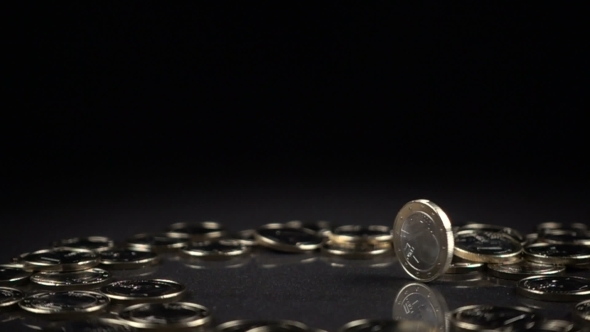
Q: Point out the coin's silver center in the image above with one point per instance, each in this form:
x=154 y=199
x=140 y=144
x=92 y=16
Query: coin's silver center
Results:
x=419 y=243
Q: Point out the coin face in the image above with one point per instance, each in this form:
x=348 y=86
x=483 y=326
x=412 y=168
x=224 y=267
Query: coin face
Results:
x=366 y=325
x=216 y=249
x=423 y=240
x=248 y=325
x=486 y=247
x=198 y=231
x=90 y=243
x=10 y=296
x=356 y=233
x=165 y=315
x=418 y=302
x=554 y=288
x=86 y=278
x=144 y=290
x=523 y=269
x=557 y=253
x=127 y=259
x=60 y=259
x=161 y=242
x=487 y=317
x=282 y=238
x=64 y=303
x=13 y=274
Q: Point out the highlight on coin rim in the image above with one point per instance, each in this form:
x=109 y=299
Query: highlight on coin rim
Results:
x=487 y=258
x=96 y=307
x=452 y=316
x=180 y=292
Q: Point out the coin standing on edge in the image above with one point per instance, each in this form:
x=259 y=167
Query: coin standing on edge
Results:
x=13 y=274
x=561 y=254
x=248 y=325
x=222 y=249
x=486 y=247
x=74 y=279
x=60 y=259
x=10 y=296
x=175 y=315
x=281 y=238
x=90 y=243
x=145 y=291
x=523 y=269
x=496 y=318
x=64 y=303
x=423 y=240
x=127 y=259
x=554 y=288
x=198 y=231
x=158 y=243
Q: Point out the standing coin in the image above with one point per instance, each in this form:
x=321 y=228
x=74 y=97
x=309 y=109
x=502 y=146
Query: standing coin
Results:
x=168 y=316
x=60 y=259
x=158 y=243
x=563 y=254
x=13 y=274
x=582 y=313
x=222 y=249
x=360 y=234
x=127 y=259
x=281 y=238
x=493 y=318
x=198 y=231
x=90 y=243
x=248 y=325
x=368 y=325
x=64 y=303
x=554 y=288
x=418 y=302
x=486 y=247
x=523 y=269
x=10 y=296
x=149 y=290
x=423 y=240
x=74 y=279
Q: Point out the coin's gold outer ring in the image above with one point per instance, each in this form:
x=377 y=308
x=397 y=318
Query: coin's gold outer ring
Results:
x=276 y=245
x=464 y=326
x=216 y=230
x=230 y=326
x=342 y=238
x=174 y=295
x=493 y=269
x=483 y=258
x=183 y=240
x=558 y=260
x=216 y=254
x=137 y=264
x=37 y=279
x=335 y=249
x=91 y=309
x=203 y=321
x=437 y=302
x=46 y=266
x=579 y=317
x=553 y=297
x=445 y=232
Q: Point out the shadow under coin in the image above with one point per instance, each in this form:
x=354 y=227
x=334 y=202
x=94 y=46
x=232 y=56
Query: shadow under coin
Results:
x=418 y=302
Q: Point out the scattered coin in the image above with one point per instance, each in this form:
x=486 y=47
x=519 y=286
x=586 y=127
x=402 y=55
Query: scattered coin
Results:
x=64 y=303
x=495 y=229
x=556 y=326
x=158 y=243
x=249 y=325
x=564 y=236
x=496 y=318
x=459 y=265
x=169 y=316
x=356 y=250
x=13 y=274
x=60 y=259
x=246 y=237
x=581 y=313
x=360 y=234
x=222 y=249
x=10 y=296
x=367 y=325
x=281 y=238
x=531 y=238
x=423 y=240
x=554 y=288
x=486 y=247
x=560 y=254
x=198 y=231
x=90 y=243
x=319 y=227
x=148 y=290
x=73 y=279
x=548 y=226
x=78 y=325
x=127 y=259
x=418 y=302
x=523 y=269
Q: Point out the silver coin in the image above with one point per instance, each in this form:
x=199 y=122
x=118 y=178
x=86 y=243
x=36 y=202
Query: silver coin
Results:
x=418 y=302
x=222 y=249
x=86 y=278
x=368 y=325
x=281 y=238
x=148 y=290
x=423 y=240
x=198 y=231
x=64 y=303
x=176 y=315
x=554 y=288
x=562 y=254
x=495 y=229
x=10 y=296
x=493 y=318
x=360 y=234
x=13 y=274
x=564 y=236
x=60 y=259
x=159 y=243
x=249 y=325
x=90 y=243
x=319 y=226
x=581 y=312
x=486 y=247
x=523 y=269
x=127 y=259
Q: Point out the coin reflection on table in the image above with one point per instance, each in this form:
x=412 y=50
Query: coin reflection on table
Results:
x=91 y=324
x=418 y=302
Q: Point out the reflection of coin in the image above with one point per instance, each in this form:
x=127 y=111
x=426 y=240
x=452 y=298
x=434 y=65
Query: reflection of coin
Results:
x=249 y=325
x=87 y=278
x=523 y=269
x=423 y=240
x=149 y=290
x=496 y=318
x=486 y=247
x=367 y=325
x=64 y=303
x=554 y=288
x=281 y=238
x=87 y=325
x=566 y=254
x=418 y=302
x=176 y=315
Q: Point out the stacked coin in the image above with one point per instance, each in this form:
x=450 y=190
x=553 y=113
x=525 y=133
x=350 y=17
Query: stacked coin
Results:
x=353 y=241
